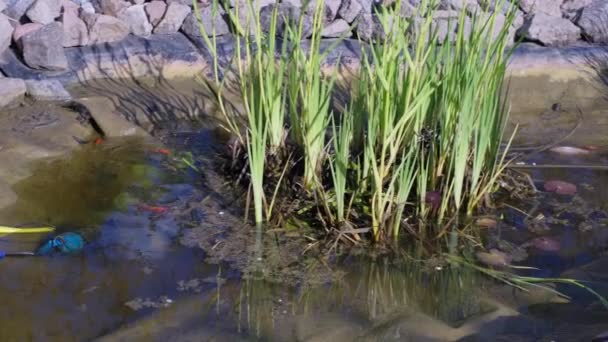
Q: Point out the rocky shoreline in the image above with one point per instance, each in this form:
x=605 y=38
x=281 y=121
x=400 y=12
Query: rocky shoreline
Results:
x=46 y=45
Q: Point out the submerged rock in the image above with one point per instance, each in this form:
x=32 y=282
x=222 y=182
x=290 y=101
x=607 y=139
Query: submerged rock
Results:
x=570 y=150
x=47 y=90
x=11 y=91
x=560 y=187
x=494 y=258
x=544 y=243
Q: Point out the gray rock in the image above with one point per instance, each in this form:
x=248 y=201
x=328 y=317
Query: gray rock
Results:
x=349 y=10
x=549 y=30
x=44 y=11
x=138 y=2
x=549 y=7
x=11 y=91
x=47 y=90
x=113 y=7
x=155 y=10
x=336 y=29
x=75 y=32
x=105 y=28
x=287 y=15
x=135 y=16
x=369 y=27
x=181 y=2
x=16 y=8
x=6 y=33
x=330 y=8
x=458 y=5
x=191 y=26
x=173 y=19
x=594 y=21
x=43 y=48
x=2 y=5
x=572 y=9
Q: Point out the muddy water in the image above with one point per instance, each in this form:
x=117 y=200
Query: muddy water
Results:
x=158 y=264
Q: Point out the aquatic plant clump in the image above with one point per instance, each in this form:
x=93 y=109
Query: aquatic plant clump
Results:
x=416 y=148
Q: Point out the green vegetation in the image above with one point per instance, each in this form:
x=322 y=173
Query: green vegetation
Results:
x=417 y=147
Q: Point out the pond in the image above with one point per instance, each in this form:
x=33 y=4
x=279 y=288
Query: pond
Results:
x=168 y=255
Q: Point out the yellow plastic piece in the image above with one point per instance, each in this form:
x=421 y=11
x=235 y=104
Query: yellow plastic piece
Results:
x=33 y=230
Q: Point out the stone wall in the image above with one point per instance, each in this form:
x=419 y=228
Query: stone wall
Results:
x=63 y=41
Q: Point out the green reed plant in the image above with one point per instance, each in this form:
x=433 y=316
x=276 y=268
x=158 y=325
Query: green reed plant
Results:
x=342 y=137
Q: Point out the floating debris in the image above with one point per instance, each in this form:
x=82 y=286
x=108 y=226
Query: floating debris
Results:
x=494 y=258
x=570 y=150
x=560 y=187
x=139 y=303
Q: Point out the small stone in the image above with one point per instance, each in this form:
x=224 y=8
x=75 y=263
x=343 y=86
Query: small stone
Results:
x=113 y=7
x=155 y=10
x=135 y=16
x=191 y=26
x=75 y=32
x=105 y=29
x=11 y=91
x=594 y=21
x=22 y=30
x=44 y=11
x=549 y=30
x=560 y=187
x=349 y=10
x=174 y=17
x=6 y=32
x=336 y=29
x=47 y=90
x=43 y=48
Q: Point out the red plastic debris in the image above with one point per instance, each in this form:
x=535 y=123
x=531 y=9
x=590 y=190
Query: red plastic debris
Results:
x=163 y=151
x=98 y=141
x=153 y=208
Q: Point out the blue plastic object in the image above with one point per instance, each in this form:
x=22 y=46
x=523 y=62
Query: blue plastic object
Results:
x=66 y=243
x=2 y=255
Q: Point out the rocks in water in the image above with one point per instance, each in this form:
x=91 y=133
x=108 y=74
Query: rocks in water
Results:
x=110 y=122
x=6 y=33
x=11 y=91
x=338 y=28
x=105 y=28
x=137 y=19
x=549 y=30
x=570 y=150
x=594 y=21
x=191 y=26
x=43 y=48
x=47 y=90
x=544 y=243
x=173 y=19
x=560 y=187
x=75 y=32
x=7 y=196
x=155 y=10
x=44 y=11
x=494 y=258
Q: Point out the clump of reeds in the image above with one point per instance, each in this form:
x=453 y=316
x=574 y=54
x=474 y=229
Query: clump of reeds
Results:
x=418 y=145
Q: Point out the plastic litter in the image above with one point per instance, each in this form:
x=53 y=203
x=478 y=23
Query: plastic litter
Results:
x=66 y=244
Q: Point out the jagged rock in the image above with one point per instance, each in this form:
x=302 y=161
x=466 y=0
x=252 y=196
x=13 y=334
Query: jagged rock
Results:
x=47 y=90
x=369 y=27
x=44 y=11
x=6 y=32
x=16 y=8
x=349 y=10
x=11 y=91
x=287 y=13
x=330 y=8
x=22 y=30
x=75 y=32
x=105 y=28
x=155 y=10
x=113 y=7
x=549 y=7
x=549 y=30
x=336 y=29
x=135 y=16
x=43 y=48
x=191 y=26
x=572 y=9
x=594 y=21
x=173 y=19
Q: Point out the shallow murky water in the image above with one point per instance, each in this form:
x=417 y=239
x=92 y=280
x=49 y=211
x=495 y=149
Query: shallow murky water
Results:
x=148 y=271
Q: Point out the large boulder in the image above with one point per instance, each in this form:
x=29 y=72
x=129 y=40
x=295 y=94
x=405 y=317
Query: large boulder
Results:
x=572 y=9
x=220 y=21
x=594 y=21
x=155 y=10
x=75 y=32
x=16 y=8
x=11 y=91
x=44 y=11
x=549 y=30
x=174 y=18
x=47 y=90
x=105 y=28
x=549 y=7
x=6 y=32
x=43 y=48
x=135 y=16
